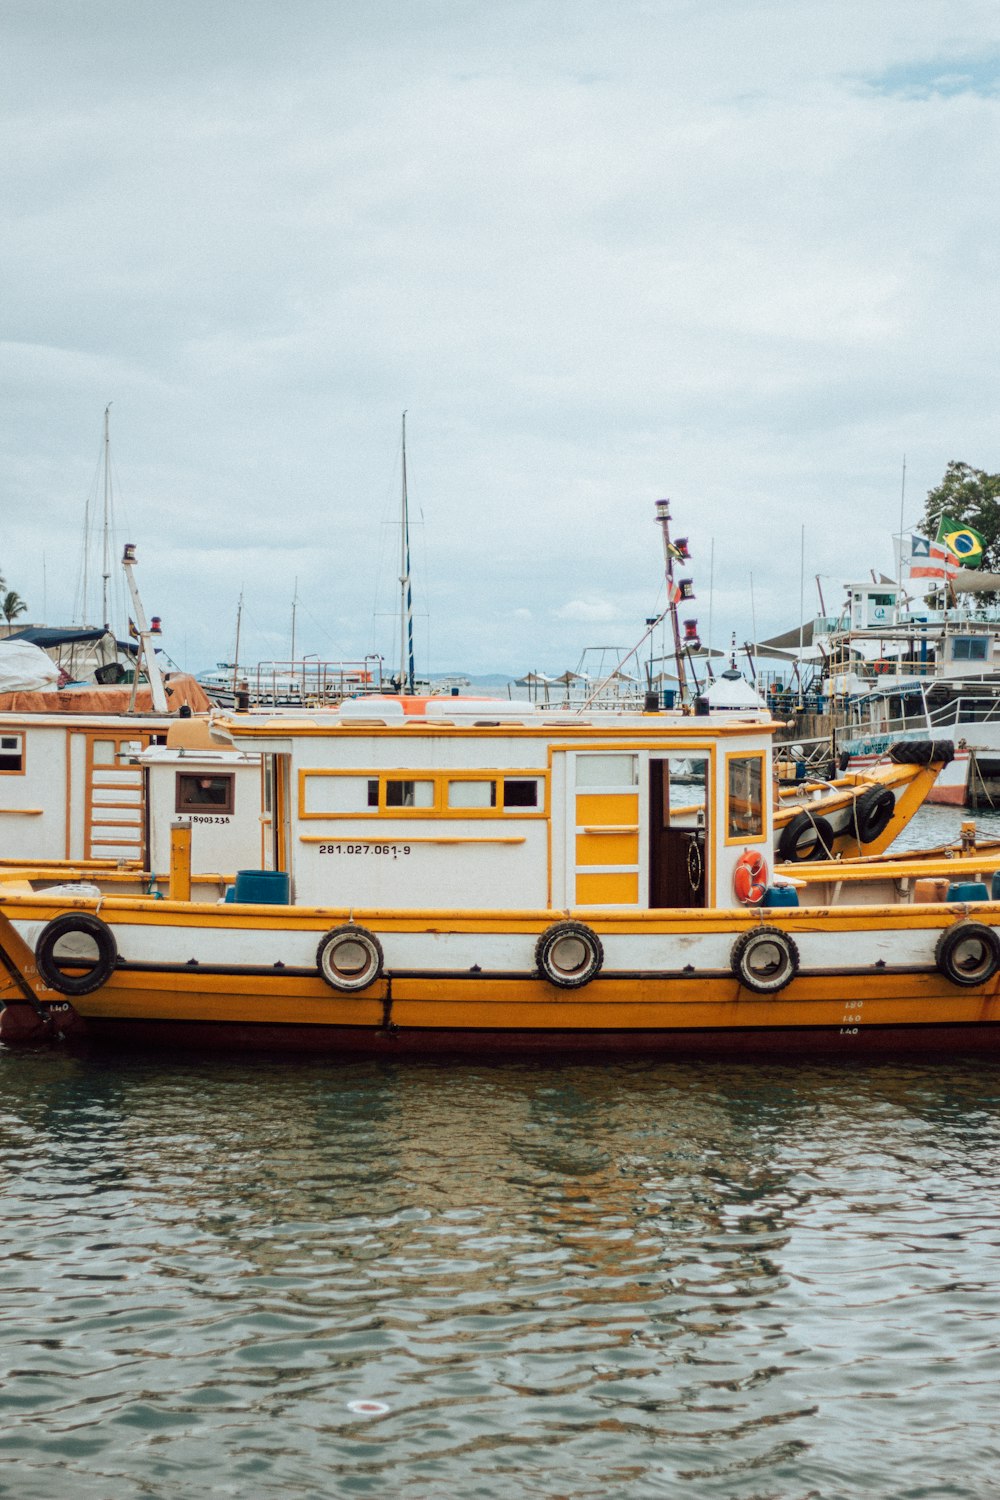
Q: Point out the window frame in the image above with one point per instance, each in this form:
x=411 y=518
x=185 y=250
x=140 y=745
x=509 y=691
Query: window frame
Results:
x=745 y=837
x=217 y=809
x=19 y=735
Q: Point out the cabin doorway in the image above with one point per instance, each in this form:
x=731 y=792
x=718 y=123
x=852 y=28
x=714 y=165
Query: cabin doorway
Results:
x=678 y=817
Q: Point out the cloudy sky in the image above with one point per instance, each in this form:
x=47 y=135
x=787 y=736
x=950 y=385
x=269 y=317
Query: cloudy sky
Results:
x=601 y=251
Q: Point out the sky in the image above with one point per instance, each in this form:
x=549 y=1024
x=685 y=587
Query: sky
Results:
x=744 y=257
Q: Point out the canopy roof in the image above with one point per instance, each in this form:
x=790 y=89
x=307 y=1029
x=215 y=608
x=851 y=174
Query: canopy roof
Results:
x=58 y=635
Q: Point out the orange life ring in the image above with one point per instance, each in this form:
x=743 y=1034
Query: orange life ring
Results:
x=750 y=877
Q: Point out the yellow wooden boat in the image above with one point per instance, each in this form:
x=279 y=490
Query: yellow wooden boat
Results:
x=488 y=877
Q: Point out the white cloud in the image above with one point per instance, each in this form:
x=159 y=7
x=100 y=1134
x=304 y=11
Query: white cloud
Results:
x=590 y=610
x=737 y=255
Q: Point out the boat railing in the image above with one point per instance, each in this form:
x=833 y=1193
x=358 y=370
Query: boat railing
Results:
x=309 y=681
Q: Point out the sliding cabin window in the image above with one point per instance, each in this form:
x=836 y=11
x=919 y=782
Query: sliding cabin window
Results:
x=522 y=793
x=436 y=794
x=477 y=794
x=968 y=648
x=12 y=753
x=607 y=770
x=744 y=797
x=199 y=793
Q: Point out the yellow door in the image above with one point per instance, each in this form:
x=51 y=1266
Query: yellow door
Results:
x=605 y=819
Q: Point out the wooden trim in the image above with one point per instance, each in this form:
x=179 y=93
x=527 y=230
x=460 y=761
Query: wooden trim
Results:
x=326 y=838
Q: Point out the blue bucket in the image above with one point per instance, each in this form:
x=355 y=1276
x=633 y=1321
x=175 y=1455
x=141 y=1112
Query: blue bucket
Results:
x=967 y=890
x=262 y=887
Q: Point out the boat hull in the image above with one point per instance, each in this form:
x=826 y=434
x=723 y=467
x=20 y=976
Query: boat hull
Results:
x=866 y=980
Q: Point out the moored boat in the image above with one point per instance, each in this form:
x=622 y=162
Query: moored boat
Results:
x=491 y=877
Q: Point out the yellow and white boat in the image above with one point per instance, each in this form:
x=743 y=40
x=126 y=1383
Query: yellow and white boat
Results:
x=488 y=877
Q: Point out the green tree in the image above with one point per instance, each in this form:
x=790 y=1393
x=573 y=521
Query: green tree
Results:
x=971 y=497
x=11 y=604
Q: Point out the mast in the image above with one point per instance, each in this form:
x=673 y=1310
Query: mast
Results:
x=236 y=653
x=663 y=520
x=406 y=673
x=147 y=651
x=295 y=600
x=106 y=558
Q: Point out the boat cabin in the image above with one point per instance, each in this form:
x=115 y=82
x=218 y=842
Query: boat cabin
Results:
x=473 y=805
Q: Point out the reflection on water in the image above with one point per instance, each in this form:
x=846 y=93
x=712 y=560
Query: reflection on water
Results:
x=579 y=1281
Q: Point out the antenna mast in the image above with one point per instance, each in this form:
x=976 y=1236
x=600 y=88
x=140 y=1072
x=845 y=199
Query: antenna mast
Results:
x=406 y=673
x=106 y=573
x=663 y=521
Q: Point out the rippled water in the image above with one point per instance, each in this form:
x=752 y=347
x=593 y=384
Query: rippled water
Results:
x=561 y=1281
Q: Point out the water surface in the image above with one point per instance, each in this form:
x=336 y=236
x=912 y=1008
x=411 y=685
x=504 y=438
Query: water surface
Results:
x=578 y=1281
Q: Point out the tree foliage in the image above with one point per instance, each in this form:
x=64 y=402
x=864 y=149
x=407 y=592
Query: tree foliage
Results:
x=11 y=603
x=971 y=497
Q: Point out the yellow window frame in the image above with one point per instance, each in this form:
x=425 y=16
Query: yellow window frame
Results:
x=439 y=808
x=746 y=838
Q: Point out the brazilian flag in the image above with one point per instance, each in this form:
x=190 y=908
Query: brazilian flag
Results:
x=962 y=542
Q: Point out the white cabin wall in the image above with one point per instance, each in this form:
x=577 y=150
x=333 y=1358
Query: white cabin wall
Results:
x=33 y=802
x=220 y=842
x=405 y=860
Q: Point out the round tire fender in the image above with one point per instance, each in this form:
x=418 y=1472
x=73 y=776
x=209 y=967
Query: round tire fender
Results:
x=349 y=958
x=75 y=924
x=873 y=812
x=968 y=953
x=806 y=837
x=569 y=954
x=764 y=960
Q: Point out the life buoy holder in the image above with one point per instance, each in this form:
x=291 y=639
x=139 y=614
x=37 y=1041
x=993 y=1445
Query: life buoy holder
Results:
x=750 y=877
x=882 y=667
x=569 y=954
x=808 y=836
x=349 y=958
x=872 y=813
x=97 y=967
x=968 y=953
x=764 y=960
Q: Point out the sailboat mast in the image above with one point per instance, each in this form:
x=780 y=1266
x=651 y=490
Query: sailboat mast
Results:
x=663 y=519
x=236 y=653
x=406 y=672
x=106 y=572
x=295 y=600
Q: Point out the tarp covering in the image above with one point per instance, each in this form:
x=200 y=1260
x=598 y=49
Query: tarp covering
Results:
x=92 y=699
x=58 y=635
x=25 y=667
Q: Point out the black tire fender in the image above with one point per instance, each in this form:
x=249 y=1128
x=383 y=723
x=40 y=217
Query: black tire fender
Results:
x=569 y=954
x=968 y=953
x=922 y=752
x=806 y=837
x=80 y=924
x=872 y=813
x=764 y=960
x=349 y=958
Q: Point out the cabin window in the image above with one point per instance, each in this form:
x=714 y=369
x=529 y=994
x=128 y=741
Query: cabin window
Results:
x=336 y=794
x=11 y=752
x=472 y=794
x=519 y=791
x=200 y=793
x=409 y=793
x=968 y=648
x=744 y=803
x=607 y=770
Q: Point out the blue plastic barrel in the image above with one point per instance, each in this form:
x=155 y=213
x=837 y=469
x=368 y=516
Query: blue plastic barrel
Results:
x=995 y=886
x=230 y=894
x=968 y=890
x=263 y=887
x=780 y=895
